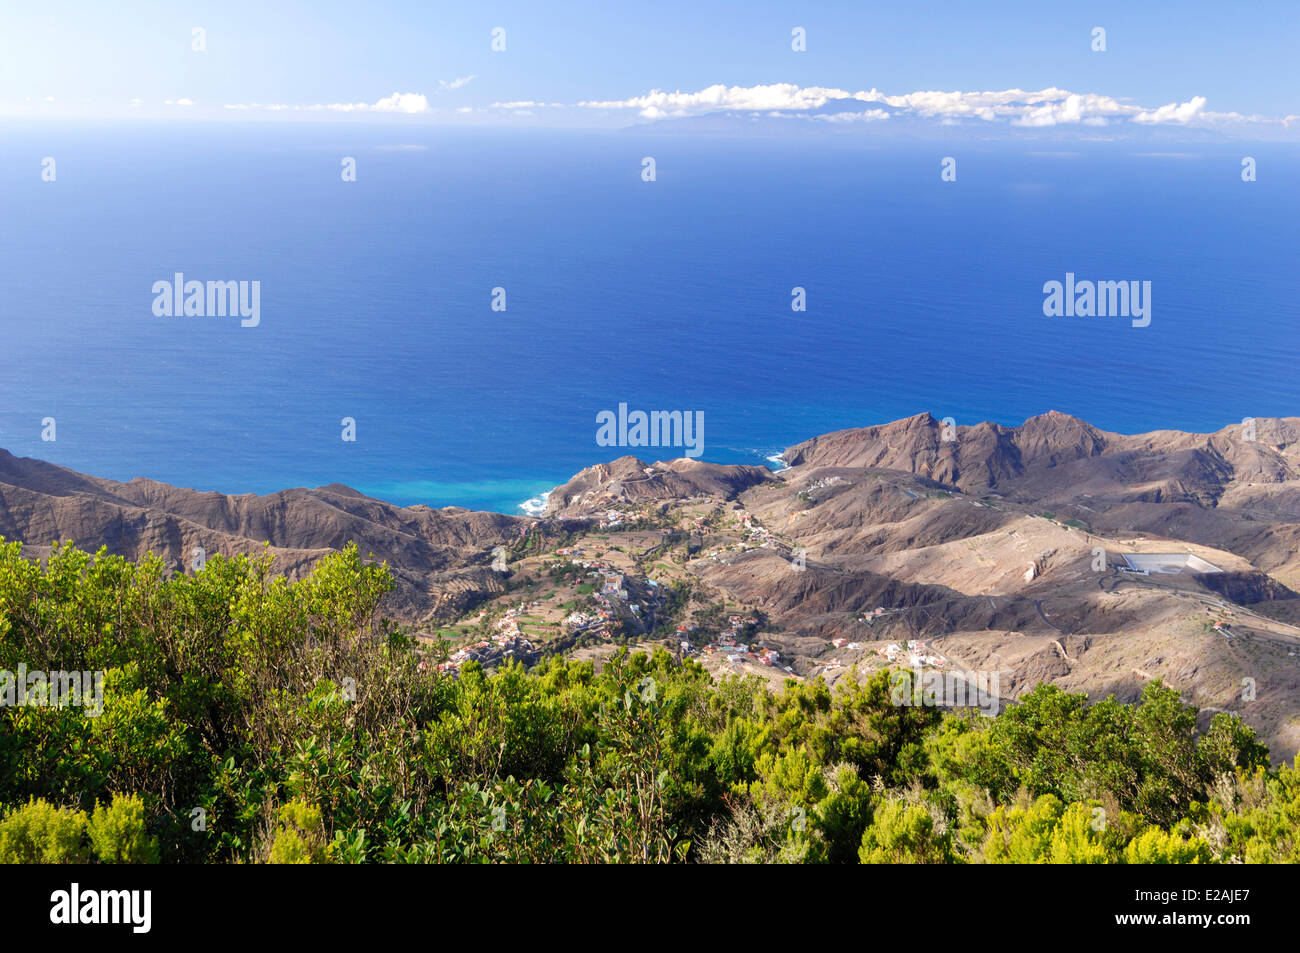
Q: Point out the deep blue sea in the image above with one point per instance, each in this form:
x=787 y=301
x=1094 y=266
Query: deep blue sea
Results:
x=672 y=295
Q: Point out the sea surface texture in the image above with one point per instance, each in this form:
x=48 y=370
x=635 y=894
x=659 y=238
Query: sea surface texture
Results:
x=376 y=297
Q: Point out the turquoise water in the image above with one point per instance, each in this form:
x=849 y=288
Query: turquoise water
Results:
x=672 y=295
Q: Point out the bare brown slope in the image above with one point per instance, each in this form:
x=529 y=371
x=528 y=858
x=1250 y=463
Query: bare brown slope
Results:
x=436 y=555
x=629 y=480
x=984 y=545
x=1054 y=454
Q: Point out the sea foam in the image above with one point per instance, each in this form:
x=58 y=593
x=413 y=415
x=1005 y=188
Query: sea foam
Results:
x=535 y=505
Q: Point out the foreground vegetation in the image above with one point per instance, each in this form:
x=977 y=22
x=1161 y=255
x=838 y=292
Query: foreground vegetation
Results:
x=250 y=719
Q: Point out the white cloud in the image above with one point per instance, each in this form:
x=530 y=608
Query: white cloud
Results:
x=1041 y=108
x=657 y=104
x=396 y=103
x=1033 y=109
x=178 y=102
x=1044 y=107
x=403 y=103
x=867 y=115
x=1090 y=109
x=1173 y=112
x=409 y=103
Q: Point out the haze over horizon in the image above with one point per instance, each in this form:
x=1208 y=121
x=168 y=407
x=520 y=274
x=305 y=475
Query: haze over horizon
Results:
x=1008 y=70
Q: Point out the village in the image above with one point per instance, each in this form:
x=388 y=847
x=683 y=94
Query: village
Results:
x=730 y=647
x=603 y=604
x=505 y=644
x=915 y=653
x=754 y=535
x=610 y=587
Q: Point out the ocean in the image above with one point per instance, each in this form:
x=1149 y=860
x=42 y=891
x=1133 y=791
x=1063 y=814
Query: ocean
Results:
x=376 y=296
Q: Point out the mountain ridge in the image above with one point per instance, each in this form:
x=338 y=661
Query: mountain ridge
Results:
x=997 y=546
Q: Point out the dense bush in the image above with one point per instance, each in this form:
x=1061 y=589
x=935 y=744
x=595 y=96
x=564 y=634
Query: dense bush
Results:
x=248 y=719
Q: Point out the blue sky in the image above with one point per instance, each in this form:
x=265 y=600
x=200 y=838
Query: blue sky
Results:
x=338 y=61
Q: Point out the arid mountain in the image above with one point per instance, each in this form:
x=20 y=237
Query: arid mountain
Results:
x=1027 y=526
x=439 y=557
x=629 y=480
x=999 y=548
x=1056 y=456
